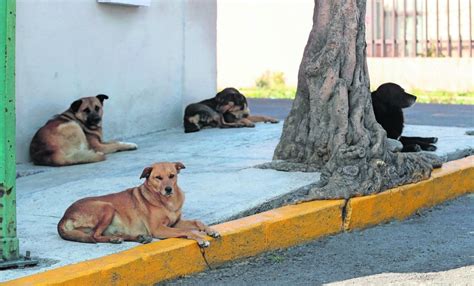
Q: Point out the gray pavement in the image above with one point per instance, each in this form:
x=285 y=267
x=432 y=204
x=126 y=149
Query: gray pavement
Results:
x=219 y=183
x=434 y=247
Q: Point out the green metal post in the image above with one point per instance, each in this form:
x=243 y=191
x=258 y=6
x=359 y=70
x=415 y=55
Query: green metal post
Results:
x=9 y=250
x=8 y=239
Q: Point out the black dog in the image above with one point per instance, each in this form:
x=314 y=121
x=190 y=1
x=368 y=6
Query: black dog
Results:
x=388 y=101
x=229 y=108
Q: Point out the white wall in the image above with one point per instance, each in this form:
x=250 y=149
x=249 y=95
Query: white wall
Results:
x=258 y=35
x=200 y=58
x=451 y=74
x=136 y=55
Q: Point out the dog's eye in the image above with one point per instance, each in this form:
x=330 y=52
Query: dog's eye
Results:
x=87 y=110
x=159 y=178
x=171 y=176
x=97 y=108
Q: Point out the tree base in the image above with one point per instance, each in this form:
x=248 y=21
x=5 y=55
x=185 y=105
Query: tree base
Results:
x=331 y=126
x=367 y=179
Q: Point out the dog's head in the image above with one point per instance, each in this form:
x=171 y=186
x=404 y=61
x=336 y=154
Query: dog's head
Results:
x=162 y=178
x=393 y=94
x=230 y=100
x=89 y=110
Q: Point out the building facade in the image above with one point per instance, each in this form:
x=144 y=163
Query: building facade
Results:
x=150 y=60
x=420 y=44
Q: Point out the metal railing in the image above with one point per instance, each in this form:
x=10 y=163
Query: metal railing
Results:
x=419 y=28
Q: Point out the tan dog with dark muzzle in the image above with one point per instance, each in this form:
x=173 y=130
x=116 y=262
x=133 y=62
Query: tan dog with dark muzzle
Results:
x=75 y=136
x=151 y=210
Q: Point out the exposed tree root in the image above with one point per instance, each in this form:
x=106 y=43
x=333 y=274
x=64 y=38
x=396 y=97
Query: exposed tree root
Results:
x=331 y=126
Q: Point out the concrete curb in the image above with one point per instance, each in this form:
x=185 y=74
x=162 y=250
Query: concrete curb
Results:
x=282 y=227
x=454 y=179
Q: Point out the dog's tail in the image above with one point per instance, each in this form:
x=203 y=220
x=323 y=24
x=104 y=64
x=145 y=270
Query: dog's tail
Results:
x=67 y=231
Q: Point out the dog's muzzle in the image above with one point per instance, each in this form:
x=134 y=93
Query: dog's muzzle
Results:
x=168 y=191
x=93 y=120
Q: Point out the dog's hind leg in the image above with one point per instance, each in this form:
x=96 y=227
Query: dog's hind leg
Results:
x=108 y=213
x=67 y=231
x=61 y=158
x=262 y=118
x=419 y=139
x=411 y=148
x=191 y=126
x=84 y=156
x=246 y=122
x=224 y=124
x=423 y=142
x=111 y=147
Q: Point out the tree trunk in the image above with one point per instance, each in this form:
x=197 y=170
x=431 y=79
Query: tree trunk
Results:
x=331 y=126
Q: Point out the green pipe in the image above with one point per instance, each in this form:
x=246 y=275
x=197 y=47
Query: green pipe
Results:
x=8 y=237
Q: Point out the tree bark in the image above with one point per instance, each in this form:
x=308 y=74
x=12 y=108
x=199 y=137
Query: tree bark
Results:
x=331 y=126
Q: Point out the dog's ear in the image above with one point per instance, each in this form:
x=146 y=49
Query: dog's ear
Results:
x=220 y=97
x=102 y=97
x=146 y=172
x=179 y=166
x=75 y=105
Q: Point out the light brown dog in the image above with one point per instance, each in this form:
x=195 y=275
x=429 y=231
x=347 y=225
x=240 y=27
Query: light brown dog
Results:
x=75 y=136
x=151 y=210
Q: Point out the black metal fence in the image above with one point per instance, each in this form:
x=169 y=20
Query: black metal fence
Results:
x=419 y=28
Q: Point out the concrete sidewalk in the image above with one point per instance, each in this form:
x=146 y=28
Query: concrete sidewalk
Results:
x=219 y=182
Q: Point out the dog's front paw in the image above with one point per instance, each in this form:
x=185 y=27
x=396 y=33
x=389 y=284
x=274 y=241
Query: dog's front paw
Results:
x=430 y=148
x=144 y=238
x=213 y=233
x=203 y=243
x=100 y=156
x=116 y=240
x=129 y=146
x=272 y=120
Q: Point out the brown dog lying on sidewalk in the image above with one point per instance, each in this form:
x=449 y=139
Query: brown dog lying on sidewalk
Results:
x=75 y=136
x=151 y=210
x=228 y=109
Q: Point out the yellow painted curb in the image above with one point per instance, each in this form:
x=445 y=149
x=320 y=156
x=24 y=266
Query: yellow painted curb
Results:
x=170 y=258
x=282 y=227
x=453 y=179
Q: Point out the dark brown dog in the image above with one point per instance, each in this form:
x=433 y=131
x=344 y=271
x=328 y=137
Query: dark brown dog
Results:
x=151 y=210
x=229 y=108
x=75 y=136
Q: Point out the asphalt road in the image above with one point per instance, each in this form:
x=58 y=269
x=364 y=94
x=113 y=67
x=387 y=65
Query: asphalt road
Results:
x=436 y=246
x=438 y=240
x=419 y=114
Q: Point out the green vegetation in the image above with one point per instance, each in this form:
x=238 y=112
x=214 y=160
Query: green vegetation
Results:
x=274 y=93
x=275 y=258
x=271 y=80
x=444 y=97
x=272 y=85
